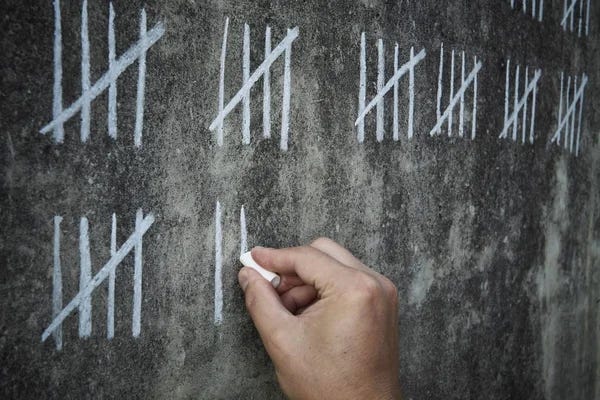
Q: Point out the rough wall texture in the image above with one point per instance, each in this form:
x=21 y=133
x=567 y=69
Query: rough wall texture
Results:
x=494 y=244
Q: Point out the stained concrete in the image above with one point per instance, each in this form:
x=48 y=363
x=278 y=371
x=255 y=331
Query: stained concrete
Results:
x=494 y=245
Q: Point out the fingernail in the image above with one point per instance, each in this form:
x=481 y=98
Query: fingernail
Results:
x=243 y=278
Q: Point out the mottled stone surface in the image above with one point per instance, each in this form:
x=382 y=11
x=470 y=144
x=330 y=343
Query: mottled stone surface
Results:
x=494 y=245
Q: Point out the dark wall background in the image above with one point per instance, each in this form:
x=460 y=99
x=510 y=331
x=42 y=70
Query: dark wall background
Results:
x=494 y=245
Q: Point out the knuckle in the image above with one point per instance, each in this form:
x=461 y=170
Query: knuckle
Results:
x=321 y=242
x=390 y=289
x=367 y=287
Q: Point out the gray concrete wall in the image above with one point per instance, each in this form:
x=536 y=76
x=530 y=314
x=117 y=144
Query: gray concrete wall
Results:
x=493 y=244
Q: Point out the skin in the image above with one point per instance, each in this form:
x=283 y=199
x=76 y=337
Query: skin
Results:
x=331 y=325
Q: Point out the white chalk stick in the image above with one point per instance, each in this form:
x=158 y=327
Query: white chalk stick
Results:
x=249 y=262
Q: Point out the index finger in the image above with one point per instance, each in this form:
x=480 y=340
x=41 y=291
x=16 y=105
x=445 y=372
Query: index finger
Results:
x=313 y=266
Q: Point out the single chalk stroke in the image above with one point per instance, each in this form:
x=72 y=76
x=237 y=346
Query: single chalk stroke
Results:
x=85 y=275
x=218 y=317
x=383 y=88
x=249 y=80
x=116 y=66
x=110 y=302
x=87 y=284
x=57 y=295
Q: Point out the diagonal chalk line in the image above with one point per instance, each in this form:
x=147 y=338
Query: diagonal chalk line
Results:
x=571 y=108
x=109 y=76
x=390 y=84
x=517 y=109
x=100 y=276
x=456 y=98
x=256 y=75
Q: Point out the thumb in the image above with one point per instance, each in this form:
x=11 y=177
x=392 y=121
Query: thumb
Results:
x=263 y=303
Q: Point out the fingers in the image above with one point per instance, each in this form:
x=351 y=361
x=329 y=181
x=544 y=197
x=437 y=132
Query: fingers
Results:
x=298 y=298
x=314 y=267
x=262 y=301
x=287 y=282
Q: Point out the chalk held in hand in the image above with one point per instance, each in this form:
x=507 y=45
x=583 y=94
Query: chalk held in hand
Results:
x=249 y=262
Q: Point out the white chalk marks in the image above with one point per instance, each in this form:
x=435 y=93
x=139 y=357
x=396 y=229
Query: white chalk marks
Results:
x=243 y=95
x=383 y=88
x=520 y=102
x=454 y=99
x=218 y=312
x=571 y=120
x=87 y=283
x=108 y=80
x=576 y=16
x=534 y=7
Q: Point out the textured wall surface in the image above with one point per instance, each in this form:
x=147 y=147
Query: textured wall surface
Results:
x=494 y=244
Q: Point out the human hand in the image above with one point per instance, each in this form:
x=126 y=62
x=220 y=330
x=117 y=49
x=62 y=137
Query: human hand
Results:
x=331 y=325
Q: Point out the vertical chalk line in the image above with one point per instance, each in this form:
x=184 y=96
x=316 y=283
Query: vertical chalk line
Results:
x=439 y=91
x=137 y=276
x=267 y=89
x=243 y=232
x=524 y=123
x=560 y=106
x=573 y=117
x=515 y=102
x=451 y=115
x=141 y=85
x=587 y=17
x=395 y=113
x=411 y=93
x=112 y=89
x=362 y=89
x=474 y=116
x=524 y=6
x=57 y=295
x=533 y=106
x=258 y=72
x=59 y=131
x=245 y=77
x=580 y=18
x=380 y=83
x=98 y=278
x=533 y=8
x=506 y=92
x=580 y=123
x=562 y=22
x=85 y=273
x=110 y=313
x=567 y=114
x=389 y=85
x=287 y=91
x=85 y=75
x=222 y=82
x=218 y=267
x=541 y=11
x=461 y=120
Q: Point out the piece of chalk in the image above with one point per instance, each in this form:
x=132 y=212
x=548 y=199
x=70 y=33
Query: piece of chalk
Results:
x=249 y=262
